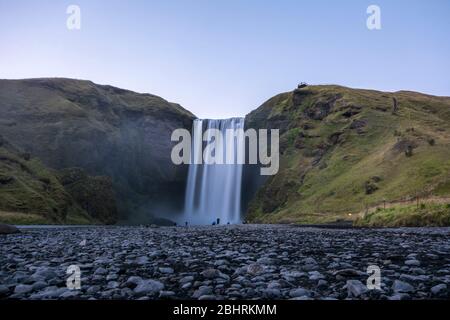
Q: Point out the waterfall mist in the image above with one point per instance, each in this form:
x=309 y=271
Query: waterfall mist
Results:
x=213 y=190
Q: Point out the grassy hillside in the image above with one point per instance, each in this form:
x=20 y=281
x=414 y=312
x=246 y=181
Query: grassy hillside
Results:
x=31 y=193
x=94 y=194
x=343 y=150
x=104 y=130
x=437 y=215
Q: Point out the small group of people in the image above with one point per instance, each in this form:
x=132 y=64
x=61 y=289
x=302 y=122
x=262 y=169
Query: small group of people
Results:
x=216 y=222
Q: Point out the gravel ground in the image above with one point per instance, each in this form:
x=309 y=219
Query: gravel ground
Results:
x=225 y=262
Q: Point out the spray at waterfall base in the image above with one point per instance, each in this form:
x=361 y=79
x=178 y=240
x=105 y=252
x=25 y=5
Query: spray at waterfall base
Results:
x=216 y=152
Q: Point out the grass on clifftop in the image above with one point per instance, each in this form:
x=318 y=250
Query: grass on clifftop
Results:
x=344 y=149
x=19 y=218
x=430 y=215
x=30 y=193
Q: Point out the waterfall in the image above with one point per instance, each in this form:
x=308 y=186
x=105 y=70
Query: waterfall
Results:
x=213 y=190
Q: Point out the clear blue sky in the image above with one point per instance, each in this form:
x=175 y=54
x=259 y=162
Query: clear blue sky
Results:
x=223 y=58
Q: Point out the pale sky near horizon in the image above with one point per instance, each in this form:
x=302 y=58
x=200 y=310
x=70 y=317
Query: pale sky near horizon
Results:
x=224 y=58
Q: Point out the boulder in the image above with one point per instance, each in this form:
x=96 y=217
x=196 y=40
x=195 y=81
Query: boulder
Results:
x=7 y=229
x=401 y=286
x=148 y=287
x=355 y=288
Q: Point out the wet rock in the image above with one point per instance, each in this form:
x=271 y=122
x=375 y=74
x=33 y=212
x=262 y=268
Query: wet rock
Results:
x=221 y=262
x=412 y=262
x=142 y=260
x=3 y=290
x=113 y=285
x=112 y=276
x=202 y=291
x=440 y=289
x=166 y=294
x=49 y=293
x=166 y=270
x=355 y=288
x=293 y=274
x=207 y=297
x=210 y=273
x=133 y=281
x=186 y=279
x=39 y=285
x=265 y=261
x=347 y=273
x=322 y=284
x=44 y=274
x=401 y=286
x=274 y=285
x=400 y=296
x=100 y=271
x=310 y=260
x=412 y=278
x=271 y=293
x=255 y=269
x=69 y=294
x=223 y=276
x=186 y=286
x=23 y=288
x=93 y=289
x=315 y=275
x=148 y=287
x=299 y=292
x=304 y=298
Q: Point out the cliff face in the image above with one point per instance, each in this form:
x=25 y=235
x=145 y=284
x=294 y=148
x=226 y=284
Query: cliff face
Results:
x=29 y=190
x=95 y=195
x=342 y=150
x=105 y=131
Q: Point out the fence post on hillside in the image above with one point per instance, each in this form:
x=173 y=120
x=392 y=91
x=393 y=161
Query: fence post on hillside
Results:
x=417 y=200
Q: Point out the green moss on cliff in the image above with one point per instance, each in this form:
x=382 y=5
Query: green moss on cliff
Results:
x=94 y=194
x=432 y=215
x=30 y=193
x=344 y=149
x=28 y=187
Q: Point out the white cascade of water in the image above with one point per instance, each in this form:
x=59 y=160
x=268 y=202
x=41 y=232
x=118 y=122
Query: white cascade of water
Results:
x=213 y=190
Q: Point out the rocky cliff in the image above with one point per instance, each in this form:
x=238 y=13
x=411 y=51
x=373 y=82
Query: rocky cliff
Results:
x=32 y=193
x=344 y=150
x=104 y=130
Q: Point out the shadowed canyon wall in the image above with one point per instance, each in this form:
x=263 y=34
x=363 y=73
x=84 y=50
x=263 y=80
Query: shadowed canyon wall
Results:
x=104 y=130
